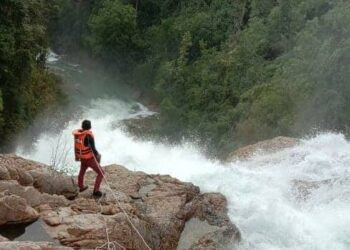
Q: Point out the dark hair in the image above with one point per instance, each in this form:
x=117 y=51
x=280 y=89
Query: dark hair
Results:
x=86 y=125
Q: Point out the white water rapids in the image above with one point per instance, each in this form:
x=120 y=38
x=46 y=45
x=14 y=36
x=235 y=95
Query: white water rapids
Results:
x=261 y=196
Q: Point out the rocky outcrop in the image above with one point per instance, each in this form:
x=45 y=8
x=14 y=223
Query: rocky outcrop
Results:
x=209 y=226
x=304 y=188
x=40 y=176
x=138 y=208
x=141 y=127
x=272 y=145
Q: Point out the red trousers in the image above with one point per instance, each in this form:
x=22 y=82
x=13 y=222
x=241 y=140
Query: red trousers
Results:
x=92 y=163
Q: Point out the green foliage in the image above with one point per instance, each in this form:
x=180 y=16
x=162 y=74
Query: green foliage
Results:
x=114 y=31
x=317 y=72
x=229 y=72
x=68 y=24
x=25 y=84
x=266 y=111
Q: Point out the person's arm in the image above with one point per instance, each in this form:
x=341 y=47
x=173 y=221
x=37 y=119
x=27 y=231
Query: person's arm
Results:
x=90 y=142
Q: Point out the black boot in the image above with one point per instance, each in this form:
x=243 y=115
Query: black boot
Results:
x=83 y=188
x=97 y=194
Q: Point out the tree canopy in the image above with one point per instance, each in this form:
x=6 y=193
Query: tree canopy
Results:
x=225 y=72
x=25 y=84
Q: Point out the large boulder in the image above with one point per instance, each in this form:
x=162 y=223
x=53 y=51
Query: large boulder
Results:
x=267 y=146
x=140 y=126
x=14 y=210
x=209 y=226
x=51 y=182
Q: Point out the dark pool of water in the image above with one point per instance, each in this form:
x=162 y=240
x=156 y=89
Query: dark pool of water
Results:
x=26 y=232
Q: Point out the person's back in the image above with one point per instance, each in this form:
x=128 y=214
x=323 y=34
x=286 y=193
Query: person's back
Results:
x=87 y=154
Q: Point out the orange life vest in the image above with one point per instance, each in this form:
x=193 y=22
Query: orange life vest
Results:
x=82 y=151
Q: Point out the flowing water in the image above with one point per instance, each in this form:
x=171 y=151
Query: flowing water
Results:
x=262 y=199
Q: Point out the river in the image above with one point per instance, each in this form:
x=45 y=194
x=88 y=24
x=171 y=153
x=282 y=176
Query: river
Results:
x=262 y=199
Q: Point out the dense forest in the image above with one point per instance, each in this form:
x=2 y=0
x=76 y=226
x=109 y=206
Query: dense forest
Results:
x=26 y=86
x=223 y=72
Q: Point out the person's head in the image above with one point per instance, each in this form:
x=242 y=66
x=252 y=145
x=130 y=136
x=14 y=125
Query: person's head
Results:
x=86 y=125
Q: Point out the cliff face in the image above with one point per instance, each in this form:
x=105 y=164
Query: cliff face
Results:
x=160 y=208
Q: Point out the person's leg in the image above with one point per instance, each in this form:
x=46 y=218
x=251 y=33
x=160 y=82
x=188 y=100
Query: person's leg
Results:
x=83 y=168
x=99 y=171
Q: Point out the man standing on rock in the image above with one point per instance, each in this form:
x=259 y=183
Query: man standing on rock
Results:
x=86 y=153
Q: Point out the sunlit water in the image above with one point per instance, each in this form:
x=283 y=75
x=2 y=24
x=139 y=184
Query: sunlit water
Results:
x=262 y=199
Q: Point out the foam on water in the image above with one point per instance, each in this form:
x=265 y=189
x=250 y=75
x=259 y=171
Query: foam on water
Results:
x=52 y=57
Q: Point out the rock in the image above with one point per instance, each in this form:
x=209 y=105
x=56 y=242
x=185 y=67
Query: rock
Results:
x=14 y=161
x=32 y=196
x=141 y=126
x=13 y=173
x=212 y=207
x=4 y=173
x=303 y=188
x=51 y=182
x=158 y=206
x=14 y=209
x=2 y=238
x=24 y=178
x=52 y=219
x=272 y=145
x=42 y=177
x=216 y=240
x=214 y=230
x=194 y=230
x=27 y=245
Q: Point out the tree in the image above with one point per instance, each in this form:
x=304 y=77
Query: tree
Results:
x=26 y=85
x=114 y=32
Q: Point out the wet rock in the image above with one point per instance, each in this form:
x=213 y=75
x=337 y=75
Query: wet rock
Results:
x=304 y=188
x=217 y=240
x=212 y=207
x=194 y=230
x=215 y=230
x=272 y=145
x=141 y=126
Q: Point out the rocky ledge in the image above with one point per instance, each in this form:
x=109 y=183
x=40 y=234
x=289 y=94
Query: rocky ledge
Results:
x=168 y=213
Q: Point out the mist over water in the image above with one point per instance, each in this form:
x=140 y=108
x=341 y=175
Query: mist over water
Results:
x=262 y=198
